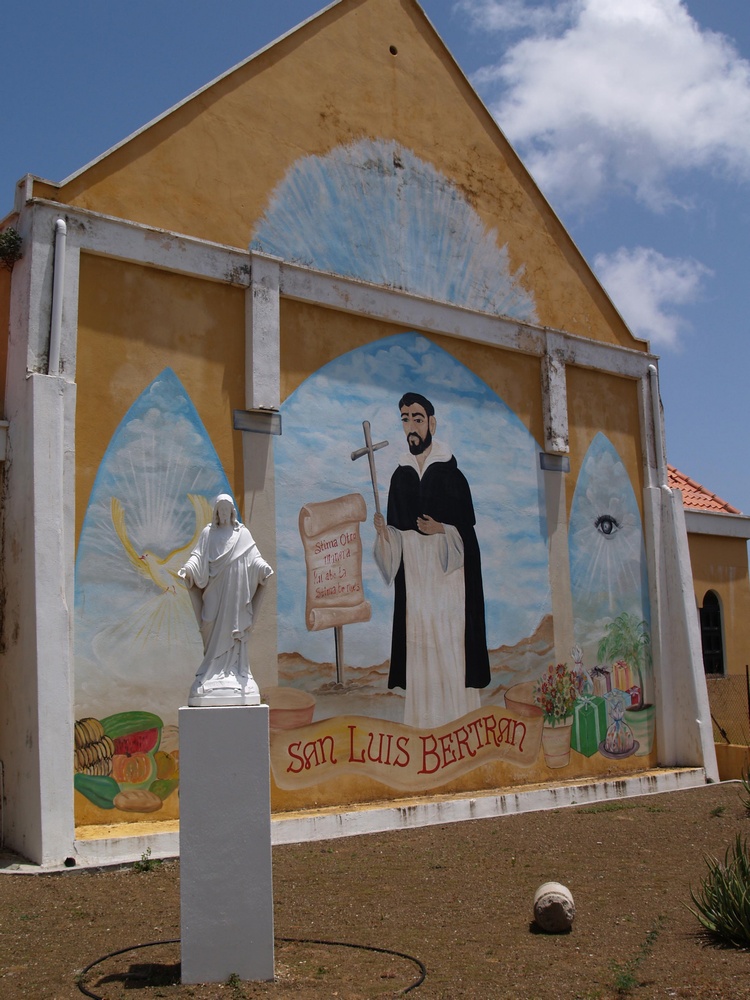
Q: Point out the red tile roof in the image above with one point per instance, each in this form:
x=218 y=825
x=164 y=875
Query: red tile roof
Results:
x=695 y=496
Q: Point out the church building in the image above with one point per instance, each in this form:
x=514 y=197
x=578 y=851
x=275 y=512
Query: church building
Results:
x=351 y=309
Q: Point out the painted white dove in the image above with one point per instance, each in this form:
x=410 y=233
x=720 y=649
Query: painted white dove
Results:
x=162 y=571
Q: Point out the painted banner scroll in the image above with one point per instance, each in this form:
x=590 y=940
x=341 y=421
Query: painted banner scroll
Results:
x=333 y=557
x=399 y=756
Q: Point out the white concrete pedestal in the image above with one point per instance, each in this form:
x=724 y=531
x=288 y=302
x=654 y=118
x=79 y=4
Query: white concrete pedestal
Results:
x=226 y=889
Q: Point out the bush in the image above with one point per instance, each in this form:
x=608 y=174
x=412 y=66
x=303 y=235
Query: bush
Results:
x=10 y=248
x=745 y=792
x=723 y=900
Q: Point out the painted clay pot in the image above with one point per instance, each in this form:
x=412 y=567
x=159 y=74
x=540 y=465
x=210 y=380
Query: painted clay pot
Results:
x=642 y=722
x=556 y=744
x=520 y=699
x=288 y=708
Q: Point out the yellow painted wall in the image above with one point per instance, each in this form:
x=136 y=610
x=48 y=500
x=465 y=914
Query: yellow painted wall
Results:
x=311 y=336
x=209 y=166
x=133 y=323
x=208 y=169
x=721 y=565
x=607 y=403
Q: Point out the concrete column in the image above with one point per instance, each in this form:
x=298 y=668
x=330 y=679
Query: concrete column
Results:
x=226 y=888
x=262 y=389
x=262 y=335
x=554 y=469
x=36 y=662
x=555 y=400
x=555 y=464
x=684 y=731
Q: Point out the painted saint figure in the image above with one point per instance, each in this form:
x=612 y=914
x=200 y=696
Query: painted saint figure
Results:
x=225 y=574
x=428 y=549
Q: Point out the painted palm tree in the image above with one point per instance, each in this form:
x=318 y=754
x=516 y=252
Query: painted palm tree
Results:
x=627 y=638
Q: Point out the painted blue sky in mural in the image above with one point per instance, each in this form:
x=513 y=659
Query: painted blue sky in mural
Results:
x=607 y=552
x=323 y=425
x=136 y=635
x=375 y=211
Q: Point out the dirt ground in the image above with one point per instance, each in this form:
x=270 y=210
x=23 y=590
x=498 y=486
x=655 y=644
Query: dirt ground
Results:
x=456 y=898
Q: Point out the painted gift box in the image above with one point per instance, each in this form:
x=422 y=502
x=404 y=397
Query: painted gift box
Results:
x=589 y=725
x=601 y=678
x=623 y=676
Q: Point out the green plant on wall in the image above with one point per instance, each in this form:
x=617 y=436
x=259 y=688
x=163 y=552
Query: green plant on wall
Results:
x=627 y=638
x=10 y=248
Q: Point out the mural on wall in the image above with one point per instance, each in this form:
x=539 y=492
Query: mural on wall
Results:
x=446 y=660
x=415 y=630
x=137 y=648
x=609 y=585
x=463 y=547
x=374 y=210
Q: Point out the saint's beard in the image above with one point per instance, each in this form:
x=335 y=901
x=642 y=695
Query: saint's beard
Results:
x=417 y=445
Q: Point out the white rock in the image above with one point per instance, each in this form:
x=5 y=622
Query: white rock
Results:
x=554 y=908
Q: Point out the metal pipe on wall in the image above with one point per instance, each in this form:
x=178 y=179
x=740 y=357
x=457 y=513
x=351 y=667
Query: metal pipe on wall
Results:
x=58 y=289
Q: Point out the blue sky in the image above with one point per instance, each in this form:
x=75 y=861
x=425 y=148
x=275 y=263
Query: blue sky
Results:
x=633 y=117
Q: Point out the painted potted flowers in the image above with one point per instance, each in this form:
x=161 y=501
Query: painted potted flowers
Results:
x=555 y=693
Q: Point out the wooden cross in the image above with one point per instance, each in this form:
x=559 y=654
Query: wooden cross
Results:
x=369 y=450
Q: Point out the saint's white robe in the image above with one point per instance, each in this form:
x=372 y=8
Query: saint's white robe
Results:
x=436 y=691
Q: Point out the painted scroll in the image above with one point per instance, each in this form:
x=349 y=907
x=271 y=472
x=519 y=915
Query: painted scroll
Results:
x=333 y=557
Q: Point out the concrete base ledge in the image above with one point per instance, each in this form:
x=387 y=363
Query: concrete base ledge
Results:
x=381 y=817
x=328 y=824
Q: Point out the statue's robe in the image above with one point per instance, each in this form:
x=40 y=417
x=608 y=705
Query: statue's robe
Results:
x=228 y=573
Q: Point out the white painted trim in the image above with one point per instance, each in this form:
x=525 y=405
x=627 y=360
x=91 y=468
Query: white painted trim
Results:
x=119 y=239
x=330 y=823
x=58 y=295
x=684 y=731
x=123 y=240
x=413 y=312
x=657 y=416
x=32 y=326
x=648 y=431
x=555 y=401
x=263 y=337
x=53 y=409
x=715 y=522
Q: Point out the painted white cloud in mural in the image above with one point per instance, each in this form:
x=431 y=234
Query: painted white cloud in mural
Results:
x=137 y=642
x=607 y=552
x=322 y=423
x=374 y=210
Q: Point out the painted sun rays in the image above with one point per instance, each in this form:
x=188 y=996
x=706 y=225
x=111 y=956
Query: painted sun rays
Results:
x=375 y=211
x=136 y=641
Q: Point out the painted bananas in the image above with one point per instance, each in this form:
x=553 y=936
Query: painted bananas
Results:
x=93 y=749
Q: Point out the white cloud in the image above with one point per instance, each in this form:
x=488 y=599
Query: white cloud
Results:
x=606 y=94
x=644 y=285
x=512 y=15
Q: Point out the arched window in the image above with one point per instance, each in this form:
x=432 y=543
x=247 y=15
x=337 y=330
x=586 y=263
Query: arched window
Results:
x=711 y=634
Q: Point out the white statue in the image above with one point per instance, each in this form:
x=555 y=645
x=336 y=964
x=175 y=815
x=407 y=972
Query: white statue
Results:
x=224 y=576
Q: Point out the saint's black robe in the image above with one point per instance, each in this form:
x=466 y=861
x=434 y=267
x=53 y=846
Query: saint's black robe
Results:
x=443 y=493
